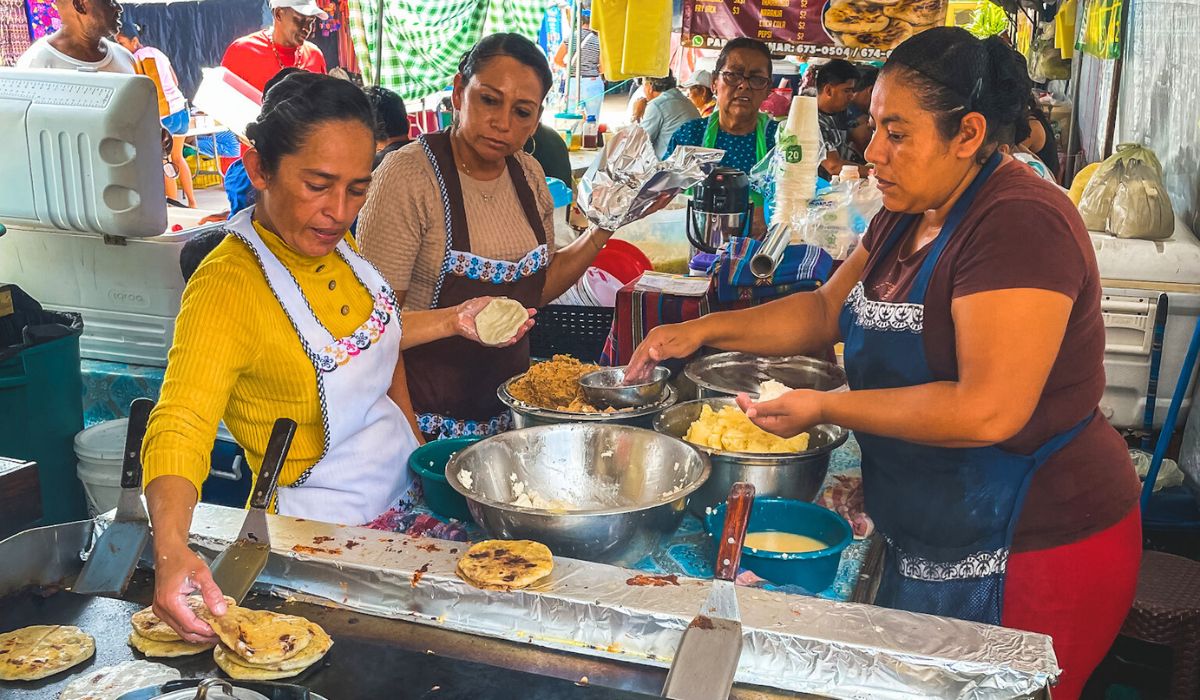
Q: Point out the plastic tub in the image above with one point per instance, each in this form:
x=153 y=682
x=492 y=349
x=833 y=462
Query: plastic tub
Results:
x=429 y=462
x=813 y=571
x=100 y=450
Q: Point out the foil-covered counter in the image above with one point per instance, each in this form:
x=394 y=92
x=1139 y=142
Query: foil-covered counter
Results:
x=797 y=643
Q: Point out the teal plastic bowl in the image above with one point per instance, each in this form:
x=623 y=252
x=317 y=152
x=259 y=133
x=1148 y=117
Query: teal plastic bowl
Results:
x=429 y=462
x=813 y=571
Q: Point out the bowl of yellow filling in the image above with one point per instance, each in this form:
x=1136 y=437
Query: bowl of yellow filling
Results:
x=790 y=542
x=792 y=468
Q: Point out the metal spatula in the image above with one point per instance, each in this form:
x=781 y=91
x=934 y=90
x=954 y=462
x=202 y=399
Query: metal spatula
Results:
x=708 y=654
x=116 y=554
x=237 y=568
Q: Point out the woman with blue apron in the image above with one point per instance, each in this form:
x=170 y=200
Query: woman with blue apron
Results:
x=974 y=349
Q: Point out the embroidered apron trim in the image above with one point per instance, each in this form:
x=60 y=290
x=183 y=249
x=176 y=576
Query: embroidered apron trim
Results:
x=883 y=315
x=446 y=427
x=341 y=350
x=476 y=267
x=977 y=565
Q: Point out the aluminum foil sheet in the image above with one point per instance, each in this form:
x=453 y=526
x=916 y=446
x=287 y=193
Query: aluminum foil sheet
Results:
x=796 y=643
x=627 y=181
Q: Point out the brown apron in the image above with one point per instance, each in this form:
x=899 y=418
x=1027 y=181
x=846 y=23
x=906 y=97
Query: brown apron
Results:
x=453 y=382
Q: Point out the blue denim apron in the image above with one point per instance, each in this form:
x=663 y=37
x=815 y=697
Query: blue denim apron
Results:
x=947 y=515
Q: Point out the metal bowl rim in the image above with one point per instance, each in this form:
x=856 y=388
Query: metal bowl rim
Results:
x=658 y=375
x=683 y=493
x=840 y=438
x=668 y=399
x=690 y=370
x=837 y=548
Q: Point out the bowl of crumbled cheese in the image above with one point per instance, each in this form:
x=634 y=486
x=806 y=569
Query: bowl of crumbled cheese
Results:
x=606 y=493
x=739 y=450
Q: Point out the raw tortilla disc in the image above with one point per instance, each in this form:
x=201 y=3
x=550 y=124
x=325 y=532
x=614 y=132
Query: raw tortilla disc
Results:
x=506 y=564
x=500 y=320
x=260 y=636
x=153 y=648
x=148 y=626
x=39 y=651
x=114 y=681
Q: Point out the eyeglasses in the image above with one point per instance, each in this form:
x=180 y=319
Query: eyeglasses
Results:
x=756 y=82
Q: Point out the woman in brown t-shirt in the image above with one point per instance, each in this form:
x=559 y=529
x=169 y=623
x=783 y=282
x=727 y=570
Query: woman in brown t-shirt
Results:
x=466 y=213
x=974 y=348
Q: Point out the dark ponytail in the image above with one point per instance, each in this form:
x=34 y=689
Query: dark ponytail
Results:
x=953 y=74
x=297 y=102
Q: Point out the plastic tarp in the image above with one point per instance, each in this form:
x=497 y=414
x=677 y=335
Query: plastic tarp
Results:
x=1159 y=103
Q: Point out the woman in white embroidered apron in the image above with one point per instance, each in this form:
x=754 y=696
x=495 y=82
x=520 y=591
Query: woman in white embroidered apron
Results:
x=465 y=212
x=285 y=319
x=974 y=347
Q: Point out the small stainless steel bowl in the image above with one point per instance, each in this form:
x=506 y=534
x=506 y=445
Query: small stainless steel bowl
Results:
x=607 y=387
x=797 y=475
x=631 y=486
x=526 y=416
x=732 y=373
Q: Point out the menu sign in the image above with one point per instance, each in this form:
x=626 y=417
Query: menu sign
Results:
x=854 y=29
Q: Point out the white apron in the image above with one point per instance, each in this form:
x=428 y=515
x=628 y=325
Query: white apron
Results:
x=363 y=470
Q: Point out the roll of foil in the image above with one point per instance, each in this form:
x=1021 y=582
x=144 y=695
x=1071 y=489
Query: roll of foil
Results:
x=790 y=642
x=764 y=262
x=627 y=181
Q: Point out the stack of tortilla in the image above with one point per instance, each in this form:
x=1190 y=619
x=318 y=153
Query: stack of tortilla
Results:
x=39 y=651
x=505 y=565
x=259 y=645
x=880 y=24
x=156 y=639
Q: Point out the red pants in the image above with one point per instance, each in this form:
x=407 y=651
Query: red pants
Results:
x=1078 y=594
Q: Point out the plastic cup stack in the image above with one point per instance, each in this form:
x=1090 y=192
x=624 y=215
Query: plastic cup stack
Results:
x=796 y=170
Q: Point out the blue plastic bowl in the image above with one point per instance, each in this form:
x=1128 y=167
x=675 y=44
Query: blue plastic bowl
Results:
x=813 y=571
x=429 y=462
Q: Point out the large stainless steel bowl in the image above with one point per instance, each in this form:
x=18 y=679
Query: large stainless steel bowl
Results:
x=630 y=485
x=732 y=373
x=796 y=475
x=526 y=416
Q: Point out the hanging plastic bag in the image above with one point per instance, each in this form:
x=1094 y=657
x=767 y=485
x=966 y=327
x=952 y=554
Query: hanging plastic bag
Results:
x=1127 y=197
x=1100 y=29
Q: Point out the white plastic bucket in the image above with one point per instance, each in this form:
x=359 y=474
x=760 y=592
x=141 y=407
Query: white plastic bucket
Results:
x=99 y=450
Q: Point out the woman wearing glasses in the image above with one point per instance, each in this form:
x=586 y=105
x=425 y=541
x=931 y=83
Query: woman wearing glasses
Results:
x=741 y=82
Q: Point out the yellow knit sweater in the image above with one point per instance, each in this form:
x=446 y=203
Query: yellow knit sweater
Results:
x=237 y=357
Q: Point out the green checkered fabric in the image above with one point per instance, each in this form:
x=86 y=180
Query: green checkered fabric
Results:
x=423 y=41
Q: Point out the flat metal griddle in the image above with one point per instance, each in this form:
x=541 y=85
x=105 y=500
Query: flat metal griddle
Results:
x=371 y=657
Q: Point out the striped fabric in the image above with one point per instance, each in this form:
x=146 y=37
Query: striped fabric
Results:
x=424 y=41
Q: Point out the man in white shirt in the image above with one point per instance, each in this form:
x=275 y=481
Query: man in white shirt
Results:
x=83 y=41
x=667 y=110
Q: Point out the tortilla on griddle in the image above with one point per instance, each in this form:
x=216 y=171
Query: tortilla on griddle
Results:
x=153 y=648
x=39 y=651
x=225 y=659
x=260 y=636
x=311 y=654
x=505 y=564
x=149 y=626
x=109 y=682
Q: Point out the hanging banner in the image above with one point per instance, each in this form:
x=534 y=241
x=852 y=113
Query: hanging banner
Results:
x=853 y=29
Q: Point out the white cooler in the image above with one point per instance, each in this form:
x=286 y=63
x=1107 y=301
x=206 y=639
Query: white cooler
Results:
x=85 y=210
x=1135 y=273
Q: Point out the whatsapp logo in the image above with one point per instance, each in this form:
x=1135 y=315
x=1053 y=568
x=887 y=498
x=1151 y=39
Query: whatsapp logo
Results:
x=697 y=41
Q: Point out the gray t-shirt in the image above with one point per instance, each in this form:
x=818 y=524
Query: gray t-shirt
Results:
x=42 y=55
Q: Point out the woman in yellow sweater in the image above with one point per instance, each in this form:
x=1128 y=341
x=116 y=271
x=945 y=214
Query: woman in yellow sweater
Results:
x=285 y=319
